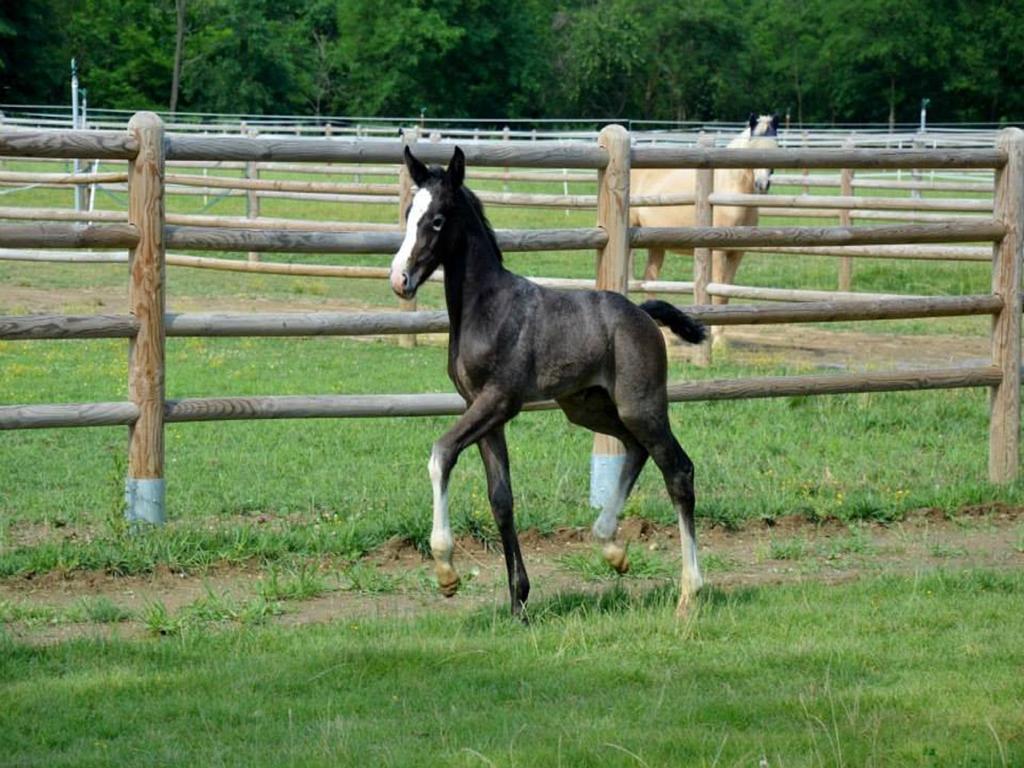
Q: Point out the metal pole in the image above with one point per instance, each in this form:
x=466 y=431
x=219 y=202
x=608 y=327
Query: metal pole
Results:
x=77 y=167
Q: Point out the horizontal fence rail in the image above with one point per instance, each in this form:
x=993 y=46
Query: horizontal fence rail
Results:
x=92 y=145
x=741 y=237
x=520 y=154
x=672 y=157
x=68 y=235
x=430 y=404
x=210 y=239
x=213 y=324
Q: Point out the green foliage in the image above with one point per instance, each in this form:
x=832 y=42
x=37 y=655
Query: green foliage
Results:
x=247 y=56
x=818 y=60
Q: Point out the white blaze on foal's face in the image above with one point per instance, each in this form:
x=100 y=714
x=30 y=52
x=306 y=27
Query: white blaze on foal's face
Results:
x=400 y=264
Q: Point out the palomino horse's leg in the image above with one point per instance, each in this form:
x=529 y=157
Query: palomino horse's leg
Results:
x=494 y=453
x=595 y=410
x=724 y=266
x=489 y=410
x=656 y=436
x=655 y=261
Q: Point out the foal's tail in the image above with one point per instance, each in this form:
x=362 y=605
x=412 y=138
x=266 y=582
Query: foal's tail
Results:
x=677 y=321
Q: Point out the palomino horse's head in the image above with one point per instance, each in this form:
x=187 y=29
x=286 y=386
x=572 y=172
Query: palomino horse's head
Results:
x=426 y=233
x=763 y=133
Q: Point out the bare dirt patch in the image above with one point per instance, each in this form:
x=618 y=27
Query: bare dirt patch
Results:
x=847 y=350
x=786 y=551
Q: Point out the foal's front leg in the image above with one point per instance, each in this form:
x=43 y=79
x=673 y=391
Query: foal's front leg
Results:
x=489 y=410
x=494 y=452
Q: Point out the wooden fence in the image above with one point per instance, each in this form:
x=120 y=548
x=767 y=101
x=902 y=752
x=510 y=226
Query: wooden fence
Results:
x=844 y=208
x=149 y=233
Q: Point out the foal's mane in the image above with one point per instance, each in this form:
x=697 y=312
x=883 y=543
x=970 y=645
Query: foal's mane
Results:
x=478 y=208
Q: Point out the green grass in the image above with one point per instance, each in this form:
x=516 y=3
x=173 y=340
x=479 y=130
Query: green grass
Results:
x=787 y=549
x=908 y=671
x=95 y=610
x=214 y=610
x=854 y=543
x=643 y=564
x=299 y=583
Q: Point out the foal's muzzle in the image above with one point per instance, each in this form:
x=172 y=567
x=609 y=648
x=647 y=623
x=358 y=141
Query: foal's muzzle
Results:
x=402 y=285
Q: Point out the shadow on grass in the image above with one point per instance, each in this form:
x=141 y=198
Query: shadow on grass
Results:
x=620 y=598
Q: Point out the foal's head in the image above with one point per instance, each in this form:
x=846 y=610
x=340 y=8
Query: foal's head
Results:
x=764 y=131
x=427 y=220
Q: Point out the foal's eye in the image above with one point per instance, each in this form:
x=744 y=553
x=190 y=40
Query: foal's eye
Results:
x=437 y=223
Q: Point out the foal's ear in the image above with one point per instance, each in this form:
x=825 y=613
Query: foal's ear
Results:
x=417 y=170
x=752 y=120
x=457 y=169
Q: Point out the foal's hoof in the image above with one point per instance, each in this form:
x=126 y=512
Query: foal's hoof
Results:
x=617 y=557
x=447 y=579
x=687 y=600
x=683 y=606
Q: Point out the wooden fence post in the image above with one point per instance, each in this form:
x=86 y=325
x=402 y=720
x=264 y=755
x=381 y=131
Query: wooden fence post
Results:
x=144 y=487
x=506 y=135
x=406 y=340
x=612 y=275
x=252 y=198
x=845 y=219
x=1004 y=401
x=915 y=173
x=703 y=216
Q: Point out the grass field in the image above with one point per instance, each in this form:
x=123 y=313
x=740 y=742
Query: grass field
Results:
x=921 y=671
x=918 y=667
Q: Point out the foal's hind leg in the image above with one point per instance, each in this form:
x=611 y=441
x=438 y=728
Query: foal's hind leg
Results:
x=595 y=410
x=654 y=433
x=494 y=453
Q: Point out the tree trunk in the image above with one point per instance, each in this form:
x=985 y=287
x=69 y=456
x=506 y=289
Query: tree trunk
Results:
x=179 y=51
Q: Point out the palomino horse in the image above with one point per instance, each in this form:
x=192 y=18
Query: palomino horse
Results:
x=598 y=355
x=761 y=132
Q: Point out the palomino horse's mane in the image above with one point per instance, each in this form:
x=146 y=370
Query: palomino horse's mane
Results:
x=765 y=128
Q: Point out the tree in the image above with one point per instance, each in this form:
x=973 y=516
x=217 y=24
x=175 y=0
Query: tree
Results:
x=605 y=51
x=179 y=52
x=247 y=56
x=34 y=54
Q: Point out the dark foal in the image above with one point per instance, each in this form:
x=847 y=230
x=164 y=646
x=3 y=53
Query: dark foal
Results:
x=598 y=355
